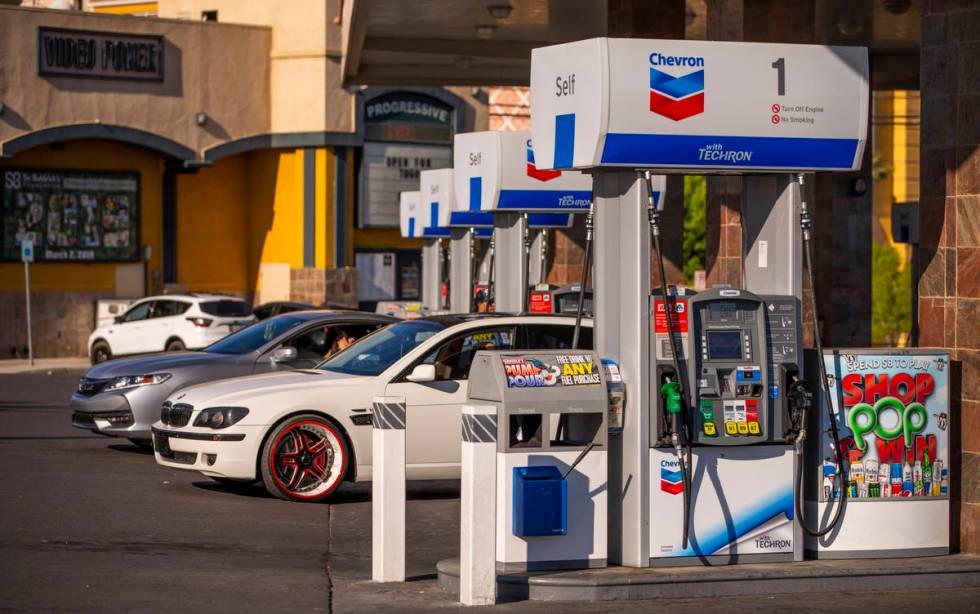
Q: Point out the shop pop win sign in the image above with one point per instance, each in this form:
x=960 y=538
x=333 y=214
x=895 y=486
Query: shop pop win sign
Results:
x=892 y=413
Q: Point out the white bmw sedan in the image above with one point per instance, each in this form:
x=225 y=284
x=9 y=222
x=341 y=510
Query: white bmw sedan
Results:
x=305 y=432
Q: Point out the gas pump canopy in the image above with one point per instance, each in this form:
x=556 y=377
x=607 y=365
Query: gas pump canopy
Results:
x=699 y=106
x=496 y=171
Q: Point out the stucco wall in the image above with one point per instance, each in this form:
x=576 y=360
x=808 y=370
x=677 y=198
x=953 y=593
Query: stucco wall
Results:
x=306 y=95
x=218 y=69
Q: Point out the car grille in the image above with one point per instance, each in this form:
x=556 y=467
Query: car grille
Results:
x=89 y=387
x=176 y=414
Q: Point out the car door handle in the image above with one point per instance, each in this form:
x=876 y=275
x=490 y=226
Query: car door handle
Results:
x=359 y=410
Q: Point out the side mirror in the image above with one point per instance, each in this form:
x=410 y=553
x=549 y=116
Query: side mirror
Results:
x=117 y=319
x=282 y=354
x=422 y=373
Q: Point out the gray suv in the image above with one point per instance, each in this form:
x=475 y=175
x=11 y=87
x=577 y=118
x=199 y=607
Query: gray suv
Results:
x=122 y=398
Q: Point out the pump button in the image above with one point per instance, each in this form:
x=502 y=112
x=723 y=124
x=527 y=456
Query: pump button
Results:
x=731 y=428
x=754 y=428
x=743 y=428
x=709 y=429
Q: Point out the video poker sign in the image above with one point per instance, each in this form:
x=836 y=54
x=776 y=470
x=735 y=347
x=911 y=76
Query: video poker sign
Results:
x=894 y=427
x=559 y=370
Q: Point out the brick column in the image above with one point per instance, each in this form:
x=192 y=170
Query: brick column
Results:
x=949 y=241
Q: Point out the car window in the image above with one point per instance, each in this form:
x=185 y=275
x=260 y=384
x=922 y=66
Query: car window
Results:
x=138 y=312
x=325 y=341
x=555 y=337
x=165 y=309
x=453 y=358
x=255 y=336
x=381 y=349
x=227 y=308
x=263 y=312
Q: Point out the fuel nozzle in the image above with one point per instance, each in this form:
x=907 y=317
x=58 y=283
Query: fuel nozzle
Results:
x=671 y=393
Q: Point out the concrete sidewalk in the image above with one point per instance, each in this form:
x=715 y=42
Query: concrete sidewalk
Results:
x=44 y=365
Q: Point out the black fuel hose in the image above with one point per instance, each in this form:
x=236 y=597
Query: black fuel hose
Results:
x=653 y=216
x=490 y=277
x=586 y=268
x=806 y=224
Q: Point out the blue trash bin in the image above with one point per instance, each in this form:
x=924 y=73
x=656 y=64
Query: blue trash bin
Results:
x=540 y=502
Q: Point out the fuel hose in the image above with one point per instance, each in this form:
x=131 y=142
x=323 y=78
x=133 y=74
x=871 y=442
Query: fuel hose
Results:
x=806 y=225
x=675 y=399
x=586 y=268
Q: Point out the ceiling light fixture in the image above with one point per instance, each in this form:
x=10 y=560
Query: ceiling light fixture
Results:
x=500 y=11
x=485 y=32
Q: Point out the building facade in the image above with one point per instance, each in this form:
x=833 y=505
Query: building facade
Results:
x=203 y=148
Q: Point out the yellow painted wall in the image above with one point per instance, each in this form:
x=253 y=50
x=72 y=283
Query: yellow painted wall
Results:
x=212 y=243
x=127 y=8
x=92 y=155
x=896 y=147
x=281 y=238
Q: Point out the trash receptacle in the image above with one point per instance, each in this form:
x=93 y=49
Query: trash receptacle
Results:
x=540 y=502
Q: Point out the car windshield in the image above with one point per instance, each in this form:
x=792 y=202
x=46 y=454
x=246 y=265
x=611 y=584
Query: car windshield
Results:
x=379 y=350
x=255 y=336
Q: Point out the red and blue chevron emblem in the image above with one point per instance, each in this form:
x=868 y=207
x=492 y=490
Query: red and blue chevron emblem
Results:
x=671 y=481
x=532 y=170
x=676 y=98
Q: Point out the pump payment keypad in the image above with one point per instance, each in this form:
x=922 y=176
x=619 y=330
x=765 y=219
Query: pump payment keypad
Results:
x=741 y=417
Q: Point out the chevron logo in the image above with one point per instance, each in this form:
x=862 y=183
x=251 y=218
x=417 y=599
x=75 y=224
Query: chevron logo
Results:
x=532 y=170
x=671 y=481
x=675 y=97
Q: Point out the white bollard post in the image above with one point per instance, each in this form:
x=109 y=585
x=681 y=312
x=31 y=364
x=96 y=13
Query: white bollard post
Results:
x=478 y=503
x=388 y=490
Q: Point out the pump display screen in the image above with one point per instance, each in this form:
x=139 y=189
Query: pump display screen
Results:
x=724 y=344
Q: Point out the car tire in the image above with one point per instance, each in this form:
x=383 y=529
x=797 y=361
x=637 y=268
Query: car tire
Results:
x=100 y=352
x=304 y=458
x=175 y=345
x=142 y=444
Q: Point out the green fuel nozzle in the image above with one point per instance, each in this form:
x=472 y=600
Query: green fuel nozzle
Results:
x=671 y=392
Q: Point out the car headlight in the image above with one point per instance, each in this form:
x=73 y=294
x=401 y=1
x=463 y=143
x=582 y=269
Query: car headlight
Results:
x=220 y=417
x=132 y=381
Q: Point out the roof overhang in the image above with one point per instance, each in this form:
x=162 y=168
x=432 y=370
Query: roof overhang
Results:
x=464 y=42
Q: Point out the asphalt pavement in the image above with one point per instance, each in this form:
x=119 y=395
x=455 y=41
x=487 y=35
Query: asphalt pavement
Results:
x=89 y=523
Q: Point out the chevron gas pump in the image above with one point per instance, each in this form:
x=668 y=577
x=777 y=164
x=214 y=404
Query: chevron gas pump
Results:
x=429 y=224
x=496 y=173
x=706 y=467
x=467 y=230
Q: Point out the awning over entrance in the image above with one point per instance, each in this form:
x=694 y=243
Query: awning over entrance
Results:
x=464 y=42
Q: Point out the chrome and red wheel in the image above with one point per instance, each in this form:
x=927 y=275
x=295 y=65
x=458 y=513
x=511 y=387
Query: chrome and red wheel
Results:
x=304 y=459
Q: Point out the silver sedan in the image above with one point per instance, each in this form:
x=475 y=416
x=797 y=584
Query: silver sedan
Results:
x=122 y=398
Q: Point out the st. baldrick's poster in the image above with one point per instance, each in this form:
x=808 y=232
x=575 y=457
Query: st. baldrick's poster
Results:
x=894 y=427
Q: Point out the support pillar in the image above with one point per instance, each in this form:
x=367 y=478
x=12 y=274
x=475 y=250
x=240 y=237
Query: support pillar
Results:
x=949 y=237
x=772 y=242
x=388 y=490
x=478 y=506
x=509 y=274
x=461 y=270
x=431 y=274
x=537 y=264
x=622 y=333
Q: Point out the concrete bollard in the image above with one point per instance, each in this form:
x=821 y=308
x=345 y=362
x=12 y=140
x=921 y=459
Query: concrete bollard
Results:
x=478 y=503
x=388 y=490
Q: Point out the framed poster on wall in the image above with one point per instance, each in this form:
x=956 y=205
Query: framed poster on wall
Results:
x=70 y=216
